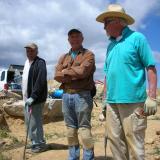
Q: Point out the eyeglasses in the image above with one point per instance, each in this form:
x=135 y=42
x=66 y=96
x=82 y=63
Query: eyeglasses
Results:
x=108 y=21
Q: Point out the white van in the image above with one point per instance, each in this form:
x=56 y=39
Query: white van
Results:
x=11 y=78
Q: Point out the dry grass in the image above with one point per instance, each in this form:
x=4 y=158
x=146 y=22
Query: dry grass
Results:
x=3 y=157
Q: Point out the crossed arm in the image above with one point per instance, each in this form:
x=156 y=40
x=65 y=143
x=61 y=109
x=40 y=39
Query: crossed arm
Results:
x=75 y=72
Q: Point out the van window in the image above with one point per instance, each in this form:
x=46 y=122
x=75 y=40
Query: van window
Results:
x=10 y=76
x=3 y=76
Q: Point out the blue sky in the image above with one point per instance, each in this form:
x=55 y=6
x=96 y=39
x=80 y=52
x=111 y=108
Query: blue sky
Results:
x=47 y=23
x=152 y=32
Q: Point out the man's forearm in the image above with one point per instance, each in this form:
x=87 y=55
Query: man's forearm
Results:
x=152 y=81
x=105 y=88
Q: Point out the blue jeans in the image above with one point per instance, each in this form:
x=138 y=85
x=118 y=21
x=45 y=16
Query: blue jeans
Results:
x=36 y=134
x=77 y=109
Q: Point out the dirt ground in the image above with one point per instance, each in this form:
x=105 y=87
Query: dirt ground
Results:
x=14 y=136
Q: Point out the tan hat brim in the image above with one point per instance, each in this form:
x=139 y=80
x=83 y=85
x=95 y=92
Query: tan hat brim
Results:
x=104 y=15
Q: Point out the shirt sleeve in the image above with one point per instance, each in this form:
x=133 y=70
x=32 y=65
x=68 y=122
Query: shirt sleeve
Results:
x=145 y=52
x=84 y=69
x=41 y=79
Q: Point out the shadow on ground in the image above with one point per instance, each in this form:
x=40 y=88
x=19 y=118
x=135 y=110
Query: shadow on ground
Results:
x=55 y=146
x=103 y=158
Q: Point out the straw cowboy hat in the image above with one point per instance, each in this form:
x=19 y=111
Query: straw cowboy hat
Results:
x=115 y=10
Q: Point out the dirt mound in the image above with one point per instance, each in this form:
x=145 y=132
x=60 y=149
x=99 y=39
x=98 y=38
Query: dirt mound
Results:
x=12 y=138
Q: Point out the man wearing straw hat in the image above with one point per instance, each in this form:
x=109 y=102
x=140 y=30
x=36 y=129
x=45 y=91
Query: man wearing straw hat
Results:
x=128 y=57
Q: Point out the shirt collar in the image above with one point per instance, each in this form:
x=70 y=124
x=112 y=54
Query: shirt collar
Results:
x=124 y=32
x=81 y=50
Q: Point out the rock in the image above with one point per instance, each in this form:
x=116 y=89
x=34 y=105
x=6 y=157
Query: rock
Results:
x=2 y=94
x=102 y=118
x=157 y=132
x=9 y=102
x=14 y=109
x=157 y=158
x=52 y=85
x=99 y=93
x=13 y=95
x=52 y=108
x=149 y=141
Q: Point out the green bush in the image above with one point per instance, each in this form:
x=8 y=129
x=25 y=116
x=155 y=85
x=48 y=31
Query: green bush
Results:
x=4 y=133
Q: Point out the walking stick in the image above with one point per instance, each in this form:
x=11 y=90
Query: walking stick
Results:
x=24 y=152
x=105 y=137
x=105 y=146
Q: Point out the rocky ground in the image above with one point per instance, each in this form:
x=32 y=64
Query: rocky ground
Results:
x=12 y=137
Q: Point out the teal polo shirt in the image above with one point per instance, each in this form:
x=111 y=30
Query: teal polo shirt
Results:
x=125 y=64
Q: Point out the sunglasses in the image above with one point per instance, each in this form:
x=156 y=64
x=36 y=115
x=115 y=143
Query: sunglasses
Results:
x=108 y=21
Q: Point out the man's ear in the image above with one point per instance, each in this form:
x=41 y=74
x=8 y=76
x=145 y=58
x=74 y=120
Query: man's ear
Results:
x=68 y=39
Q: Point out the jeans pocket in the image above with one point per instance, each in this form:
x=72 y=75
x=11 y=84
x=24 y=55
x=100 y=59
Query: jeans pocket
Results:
x=139 y=123
x=86 y=99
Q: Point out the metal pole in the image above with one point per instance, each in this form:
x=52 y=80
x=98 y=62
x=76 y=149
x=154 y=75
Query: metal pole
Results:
x=24 y=152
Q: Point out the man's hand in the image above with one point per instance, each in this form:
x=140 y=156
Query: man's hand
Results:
x=29 y=101
x=65 y=71
x=66 y=79
x=150 y=106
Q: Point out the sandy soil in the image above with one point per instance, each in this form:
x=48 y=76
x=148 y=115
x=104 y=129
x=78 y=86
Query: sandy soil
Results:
x=56 y=139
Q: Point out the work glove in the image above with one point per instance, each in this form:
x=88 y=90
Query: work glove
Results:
x=29 y=101
x=150 y=106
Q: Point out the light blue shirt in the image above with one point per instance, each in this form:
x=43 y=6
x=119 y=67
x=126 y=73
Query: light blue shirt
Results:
x=125 y=64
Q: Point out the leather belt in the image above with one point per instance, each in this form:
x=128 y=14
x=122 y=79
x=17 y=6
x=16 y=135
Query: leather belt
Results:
x=72 y=91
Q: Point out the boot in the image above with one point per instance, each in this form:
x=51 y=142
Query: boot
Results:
x=88 y=154
x=74 y=152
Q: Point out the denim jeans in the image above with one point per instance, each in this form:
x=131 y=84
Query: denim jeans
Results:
x=77 y=109
x=36 y=124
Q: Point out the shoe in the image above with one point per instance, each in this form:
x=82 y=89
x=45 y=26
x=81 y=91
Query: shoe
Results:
x=38 y=149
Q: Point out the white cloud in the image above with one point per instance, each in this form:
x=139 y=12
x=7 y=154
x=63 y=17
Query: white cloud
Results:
x=139 y=10
x=47 y=23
